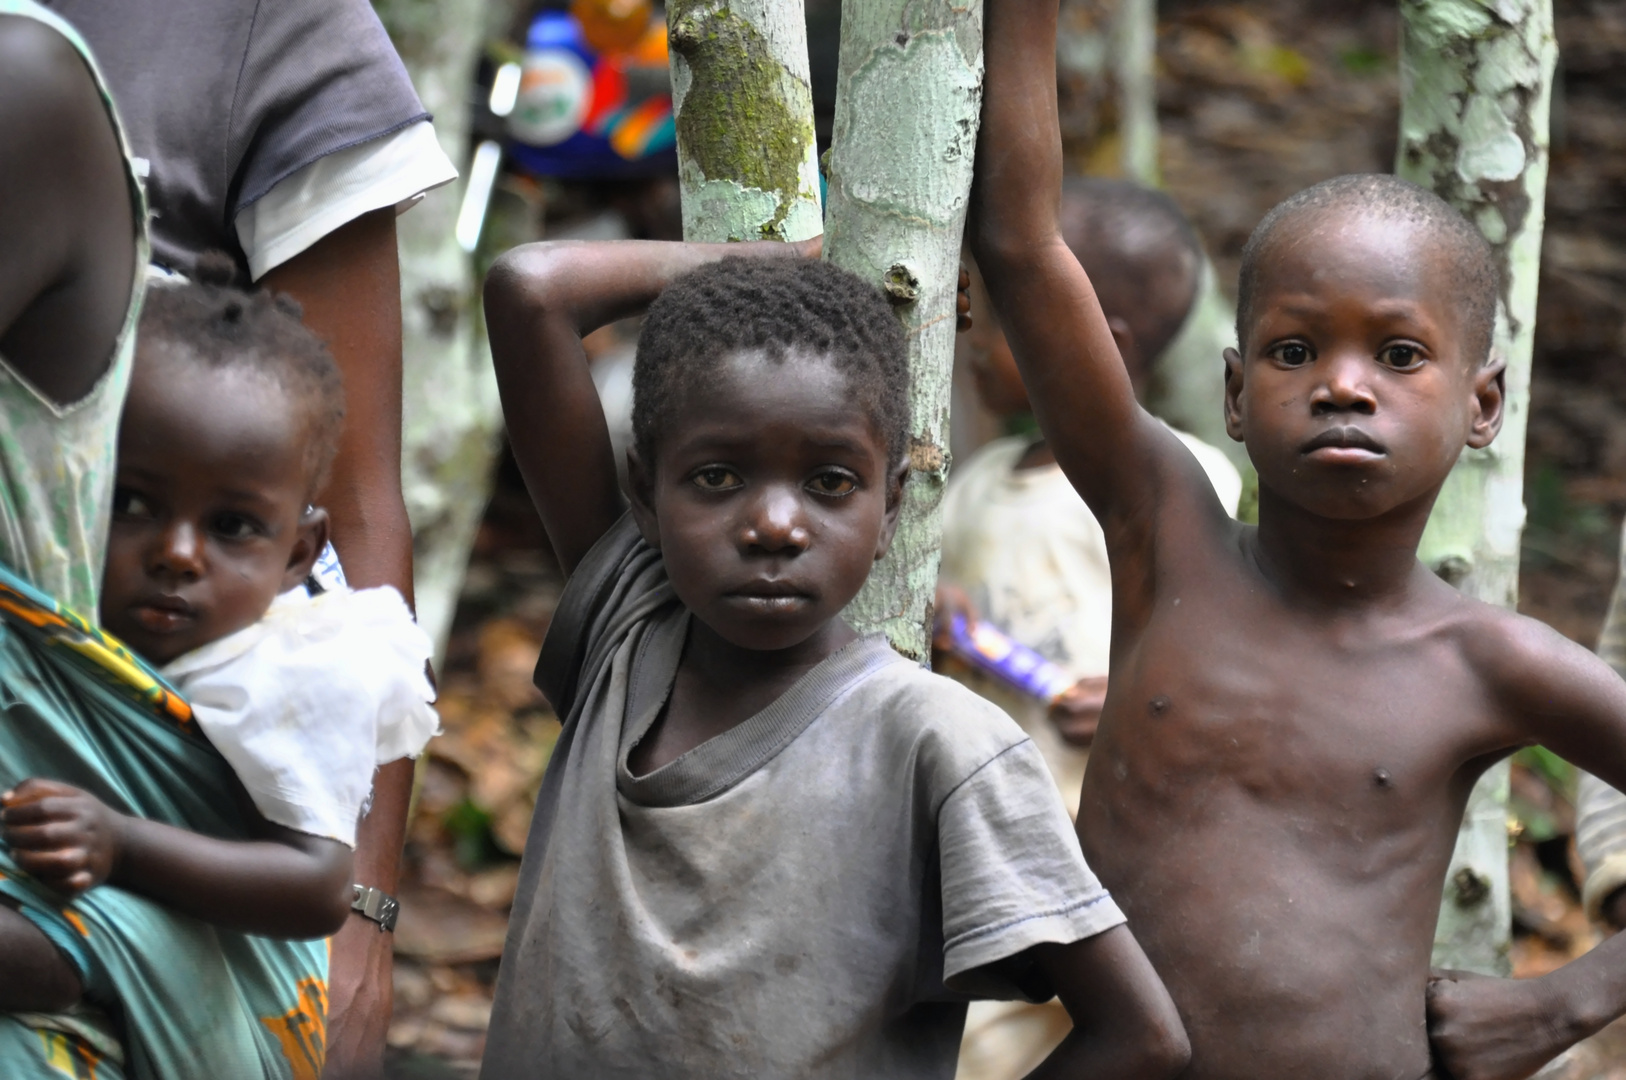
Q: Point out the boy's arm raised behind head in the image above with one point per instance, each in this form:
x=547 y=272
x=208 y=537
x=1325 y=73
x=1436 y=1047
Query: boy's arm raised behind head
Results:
x=1075 y=377
x=540 y=300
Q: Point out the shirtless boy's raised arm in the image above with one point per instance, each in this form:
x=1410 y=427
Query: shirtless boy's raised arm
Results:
x=1112 y=450
x=540 y=301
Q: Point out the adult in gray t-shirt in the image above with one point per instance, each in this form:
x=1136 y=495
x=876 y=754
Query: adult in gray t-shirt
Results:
x=815 y=893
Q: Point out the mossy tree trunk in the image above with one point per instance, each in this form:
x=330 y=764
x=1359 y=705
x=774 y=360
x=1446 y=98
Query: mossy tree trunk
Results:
x=747 y=157
x=450 y=415
x=908 y=103
x=1476 y=85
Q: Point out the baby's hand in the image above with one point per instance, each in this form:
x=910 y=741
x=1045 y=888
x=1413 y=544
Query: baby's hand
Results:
x=1482 y=1028
x=65 y=837
x=1077 y=713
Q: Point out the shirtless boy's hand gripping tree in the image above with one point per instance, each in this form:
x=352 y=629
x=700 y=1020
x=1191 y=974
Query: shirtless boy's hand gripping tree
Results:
x=1297 y=712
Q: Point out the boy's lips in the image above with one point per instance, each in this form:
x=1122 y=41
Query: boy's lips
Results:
x=770 y=596
x=1344 y=446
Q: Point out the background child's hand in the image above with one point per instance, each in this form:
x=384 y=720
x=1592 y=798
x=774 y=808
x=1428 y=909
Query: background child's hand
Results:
x=949 y=601
x=1077 y=713
x=65 y=837
x=962 y=302
x=1483 y=1028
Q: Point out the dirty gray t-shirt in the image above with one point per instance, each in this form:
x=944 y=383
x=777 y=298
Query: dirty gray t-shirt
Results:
x=815 y=893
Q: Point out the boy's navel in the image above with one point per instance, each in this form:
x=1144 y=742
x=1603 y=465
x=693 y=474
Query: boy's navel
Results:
x=1381 y=777
x=1158 y=706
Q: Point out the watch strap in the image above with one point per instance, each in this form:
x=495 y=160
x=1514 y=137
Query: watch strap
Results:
x=377 y=905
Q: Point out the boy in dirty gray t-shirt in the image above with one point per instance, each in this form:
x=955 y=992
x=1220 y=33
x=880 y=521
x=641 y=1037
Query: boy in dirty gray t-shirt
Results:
x=766 y=846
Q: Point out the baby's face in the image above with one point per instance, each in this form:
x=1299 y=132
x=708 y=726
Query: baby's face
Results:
x=209 y=520
x=1354 y=397
x=770 y=501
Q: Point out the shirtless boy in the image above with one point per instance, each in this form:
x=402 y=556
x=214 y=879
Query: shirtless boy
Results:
x=765 y=846
x=1297 y=711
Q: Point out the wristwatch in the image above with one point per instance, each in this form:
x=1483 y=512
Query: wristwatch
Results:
x=377 y=905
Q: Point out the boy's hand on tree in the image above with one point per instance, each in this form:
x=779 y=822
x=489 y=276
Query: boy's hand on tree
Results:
x=66 y=838
x=1484 y=1028
x=1077 y=713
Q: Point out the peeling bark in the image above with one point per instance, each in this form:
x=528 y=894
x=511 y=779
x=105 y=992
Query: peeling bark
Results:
x=1476 y=85
x=907 y=109
x=747 y=158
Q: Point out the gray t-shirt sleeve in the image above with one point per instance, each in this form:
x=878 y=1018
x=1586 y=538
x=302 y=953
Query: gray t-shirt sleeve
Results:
x=1012 y=875
x=316 y=79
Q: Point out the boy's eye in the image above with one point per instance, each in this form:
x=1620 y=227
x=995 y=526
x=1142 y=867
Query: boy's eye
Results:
x=833 y=482
x=1400 y=356
x=128 y=504
x=1292 y=354
x=236 y=527
x=716 y=478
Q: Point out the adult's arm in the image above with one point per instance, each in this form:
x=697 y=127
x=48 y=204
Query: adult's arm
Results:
x=67 y=228
x=349 y=284
x=540 y=300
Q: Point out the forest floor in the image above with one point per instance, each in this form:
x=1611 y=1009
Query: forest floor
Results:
x=1256 y=101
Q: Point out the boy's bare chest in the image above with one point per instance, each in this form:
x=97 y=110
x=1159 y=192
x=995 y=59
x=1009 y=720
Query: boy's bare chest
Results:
x=1230 y=694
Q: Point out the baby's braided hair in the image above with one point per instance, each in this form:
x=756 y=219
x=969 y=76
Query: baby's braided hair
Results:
x=782 y=307
x=210 y=320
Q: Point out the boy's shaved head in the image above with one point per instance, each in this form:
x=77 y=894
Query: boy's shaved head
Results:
x=1475 y=277
x=1141 y=254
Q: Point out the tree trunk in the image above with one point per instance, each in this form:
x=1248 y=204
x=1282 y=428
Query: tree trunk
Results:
x=1134 y=54
x=1476 y=81
x=1106 y=58
x=747 y=156
x=907 y=109
x=450 y=414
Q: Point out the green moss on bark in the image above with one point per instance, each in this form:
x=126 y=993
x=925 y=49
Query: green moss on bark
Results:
x=735 y=122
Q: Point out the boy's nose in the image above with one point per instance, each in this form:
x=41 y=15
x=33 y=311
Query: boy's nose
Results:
x=179 y=551
x=1345 y=387
x=776 y=523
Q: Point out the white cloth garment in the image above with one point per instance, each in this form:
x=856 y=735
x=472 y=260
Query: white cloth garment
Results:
x=392 y=170
x=306 y=703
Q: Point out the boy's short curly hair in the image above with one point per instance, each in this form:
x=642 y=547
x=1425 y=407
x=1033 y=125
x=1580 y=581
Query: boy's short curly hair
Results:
x=220 y=325
x=781 y=306
x=1475 y=275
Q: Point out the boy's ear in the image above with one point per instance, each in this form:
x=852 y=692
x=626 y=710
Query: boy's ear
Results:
x=1233 y=394
x=894 y=503
x=312 y=537
x=641 y=496
x=1490 y=393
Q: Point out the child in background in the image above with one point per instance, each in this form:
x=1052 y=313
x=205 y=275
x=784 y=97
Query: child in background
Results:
x=1297 y=712
x=1019 y=545
x=1020 y=548
x=765 y=846
x=230 y=425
